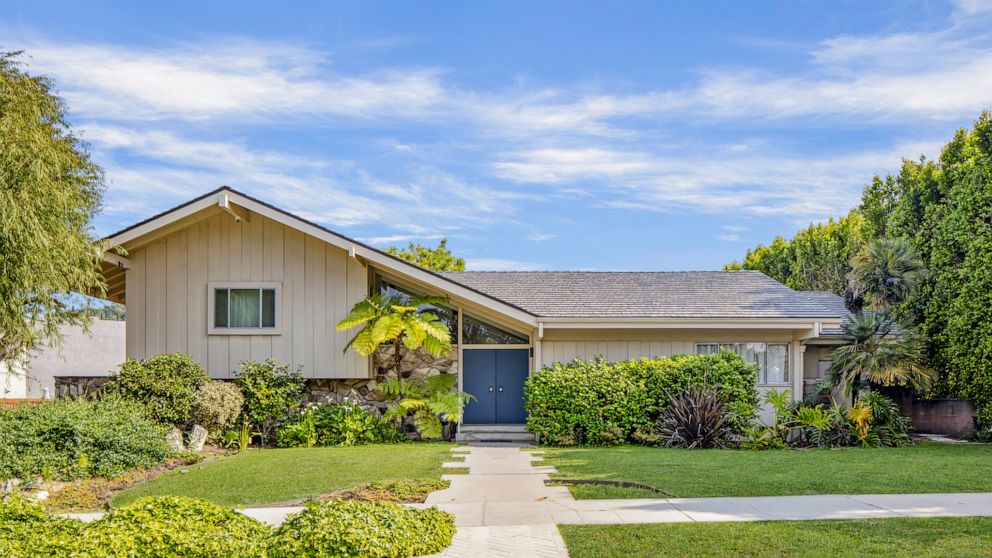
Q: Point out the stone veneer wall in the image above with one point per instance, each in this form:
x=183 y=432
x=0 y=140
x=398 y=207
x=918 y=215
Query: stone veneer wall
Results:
x=419 y=364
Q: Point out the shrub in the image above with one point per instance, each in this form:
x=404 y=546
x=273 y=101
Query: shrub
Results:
x=367 y=529
x=271 y=391
x=173 y=527
x=579 y=401
x=345 y=424
x=695 y=419
x=217 y=405
x=165 y=384
x=27 y=531
x=67 y=440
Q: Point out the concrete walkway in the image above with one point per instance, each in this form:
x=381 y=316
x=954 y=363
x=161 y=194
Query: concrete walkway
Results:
x=503 y=508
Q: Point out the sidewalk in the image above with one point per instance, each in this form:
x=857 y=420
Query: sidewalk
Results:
x=503 y=508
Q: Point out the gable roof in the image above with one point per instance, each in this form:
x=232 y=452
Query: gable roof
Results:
x=224 y=196
x=680 y=294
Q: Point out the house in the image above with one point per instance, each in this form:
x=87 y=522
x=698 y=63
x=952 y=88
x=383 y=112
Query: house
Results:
x=81 y=363
x=227 y=278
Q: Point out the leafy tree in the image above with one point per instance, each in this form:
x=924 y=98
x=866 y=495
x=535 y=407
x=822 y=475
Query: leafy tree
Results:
x=434 y=259
x=397 y=319
x=886 y=272
x=877 y=351
x=816 y=259
x=49 y=192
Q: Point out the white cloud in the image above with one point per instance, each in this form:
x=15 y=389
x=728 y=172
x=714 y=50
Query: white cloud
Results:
x=729 y=237
x=540 y=237
x=234 y=79
x=496 y=264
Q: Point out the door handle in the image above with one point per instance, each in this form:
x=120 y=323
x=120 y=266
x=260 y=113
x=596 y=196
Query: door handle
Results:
x=490 y=389
x=501 y=389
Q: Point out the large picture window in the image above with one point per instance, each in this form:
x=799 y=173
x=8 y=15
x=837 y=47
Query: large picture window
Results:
x=448 y=315
x=772 y=358
x=243 y=308
x=478 y=332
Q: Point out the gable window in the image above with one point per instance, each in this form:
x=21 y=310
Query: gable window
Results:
x=478 y=332
x=772 y=358
x=243 y=308
x=447 y=315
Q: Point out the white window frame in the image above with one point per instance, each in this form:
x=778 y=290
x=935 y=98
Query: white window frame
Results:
x=211 y=301
x=762 y=369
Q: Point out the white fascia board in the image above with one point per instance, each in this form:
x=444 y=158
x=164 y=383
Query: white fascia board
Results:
x=164 y=220
x=677 y=323
x=378 y=259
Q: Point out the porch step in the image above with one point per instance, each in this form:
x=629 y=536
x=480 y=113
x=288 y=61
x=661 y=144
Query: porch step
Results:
x=494 y=433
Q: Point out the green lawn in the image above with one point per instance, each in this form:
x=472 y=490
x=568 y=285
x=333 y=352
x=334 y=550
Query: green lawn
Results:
x=703 y=473
x=907 y=537
x=281 y=475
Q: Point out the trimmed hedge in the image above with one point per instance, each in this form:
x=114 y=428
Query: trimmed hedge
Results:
x=173 y=527
x=366 y=529
x=67 y=440
x=165 y=384
x=600 y=403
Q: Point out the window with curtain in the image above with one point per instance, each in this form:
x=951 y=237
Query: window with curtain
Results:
x=244 y=308
x=772 y=359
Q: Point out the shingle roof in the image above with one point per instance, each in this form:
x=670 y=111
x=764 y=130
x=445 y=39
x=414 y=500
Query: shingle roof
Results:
x=679 y=294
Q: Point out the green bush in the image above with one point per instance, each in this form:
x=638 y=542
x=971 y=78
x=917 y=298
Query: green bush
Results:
x=596 y=402
x=271 y=391
x=345 y=424
x=173 y=527
x=367 y=529
x=217 y=405
x=165 y=384
x=27 y=531
x=67 y=440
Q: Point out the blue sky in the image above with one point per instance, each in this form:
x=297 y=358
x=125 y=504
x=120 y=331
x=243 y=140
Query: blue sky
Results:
x=533 y=135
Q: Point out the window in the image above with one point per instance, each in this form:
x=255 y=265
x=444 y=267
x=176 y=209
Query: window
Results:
x=478 y=332
x=447 y=315
x=772 y=358
x=237 y=307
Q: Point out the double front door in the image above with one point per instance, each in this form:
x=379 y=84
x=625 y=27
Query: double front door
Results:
x=495 y=377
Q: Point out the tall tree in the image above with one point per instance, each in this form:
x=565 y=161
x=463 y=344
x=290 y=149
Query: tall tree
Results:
x=886 y=272
x=49 y=192
x=877 y=351
x=434 y=259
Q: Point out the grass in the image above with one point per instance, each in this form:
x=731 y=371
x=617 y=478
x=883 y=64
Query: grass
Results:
x=705 y=473
x=282 y=475
x=905 y=537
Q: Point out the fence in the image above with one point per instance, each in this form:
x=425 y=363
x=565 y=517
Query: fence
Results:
x=14 y=403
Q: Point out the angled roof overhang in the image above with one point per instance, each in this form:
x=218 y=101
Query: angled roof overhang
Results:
x=240 y=207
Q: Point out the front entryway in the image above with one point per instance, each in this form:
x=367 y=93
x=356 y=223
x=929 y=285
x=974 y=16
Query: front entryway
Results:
x=495 y=377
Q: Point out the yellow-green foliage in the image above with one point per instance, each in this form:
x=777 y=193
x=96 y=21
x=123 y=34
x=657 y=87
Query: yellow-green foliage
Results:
x=173 y=527
x=26 y=531
x=342 y=528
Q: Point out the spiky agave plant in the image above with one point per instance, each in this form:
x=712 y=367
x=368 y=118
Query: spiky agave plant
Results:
x=695 y=418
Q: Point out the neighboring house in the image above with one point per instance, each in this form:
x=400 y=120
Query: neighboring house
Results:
x=227 y=278
x=84 y=360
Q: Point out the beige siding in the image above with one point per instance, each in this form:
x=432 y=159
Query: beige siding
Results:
x=167 y=296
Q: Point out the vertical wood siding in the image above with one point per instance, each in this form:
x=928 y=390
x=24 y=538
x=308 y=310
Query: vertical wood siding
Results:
x=167 y=296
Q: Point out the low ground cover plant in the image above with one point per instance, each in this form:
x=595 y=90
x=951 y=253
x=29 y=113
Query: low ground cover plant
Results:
x=329 y=424
x=177 y=527
x=366 y=529
x=66 y=440
x=600 y=403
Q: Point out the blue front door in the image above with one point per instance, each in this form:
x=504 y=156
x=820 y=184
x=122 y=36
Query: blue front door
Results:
x=495 y=377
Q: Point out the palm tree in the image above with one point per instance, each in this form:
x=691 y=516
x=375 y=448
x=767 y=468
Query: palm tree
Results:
x=396 y=319
x=877 y=351
x=885 y=272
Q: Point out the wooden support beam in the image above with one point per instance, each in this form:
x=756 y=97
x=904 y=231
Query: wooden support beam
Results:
x=240 y=214
x=117 y=260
